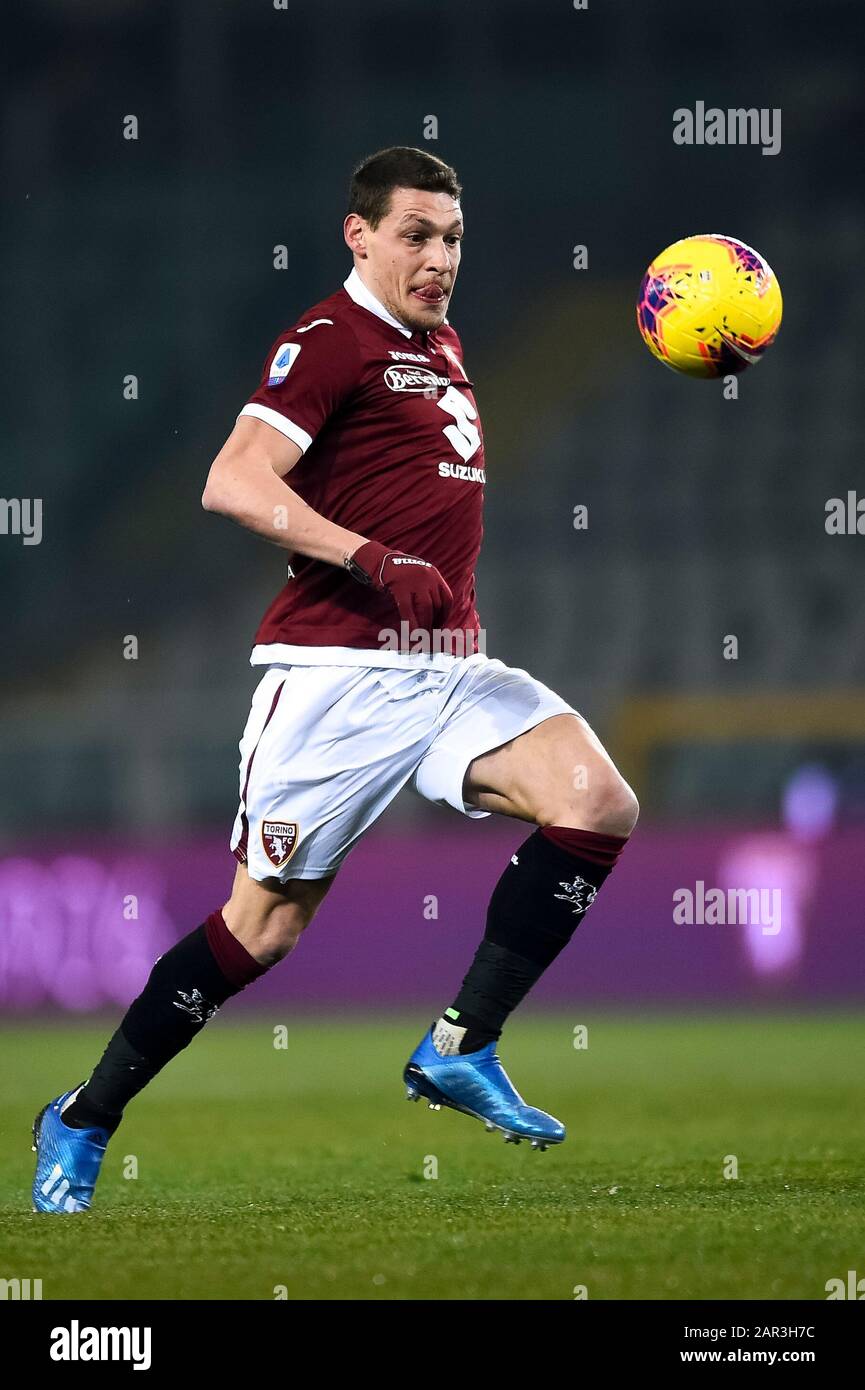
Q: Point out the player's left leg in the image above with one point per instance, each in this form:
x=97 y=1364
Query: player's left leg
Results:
x=559 y=777
x=556 y=775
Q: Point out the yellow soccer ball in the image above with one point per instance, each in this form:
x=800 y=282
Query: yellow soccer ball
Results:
x=709 y=305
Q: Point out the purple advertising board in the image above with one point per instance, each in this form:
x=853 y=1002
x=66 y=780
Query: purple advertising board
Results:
x=732 y=916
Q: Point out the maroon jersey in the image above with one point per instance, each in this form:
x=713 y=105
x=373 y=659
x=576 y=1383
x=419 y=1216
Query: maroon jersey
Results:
x=393 y=449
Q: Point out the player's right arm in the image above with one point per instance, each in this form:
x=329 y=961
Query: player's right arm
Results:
x=305 y=380
x=247 y=483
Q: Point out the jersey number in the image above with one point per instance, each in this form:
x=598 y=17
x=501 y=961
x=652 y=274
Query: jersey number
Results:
x=464 y=436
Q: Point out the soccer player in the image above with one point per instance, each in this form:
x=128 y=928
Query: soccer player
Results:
x=361 y=453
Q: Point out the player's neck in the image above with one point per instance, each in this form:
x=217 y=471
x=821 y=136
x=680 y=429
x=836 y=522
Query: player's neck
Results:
x=363 y=293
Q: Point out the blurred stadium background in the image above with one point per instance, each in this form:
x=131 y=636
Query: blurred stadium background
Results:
x=154 y=258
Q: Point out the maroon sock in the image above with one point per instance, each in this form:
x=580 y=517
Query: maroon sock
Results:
x=587 y=844
x=233 y=959
x=186 y=986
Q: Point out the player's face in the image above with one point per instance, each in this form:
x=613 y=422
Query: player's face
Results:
x=410 y=260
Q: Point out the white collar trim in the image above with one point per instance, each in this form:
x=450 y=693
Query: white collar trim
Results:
x=357 y=290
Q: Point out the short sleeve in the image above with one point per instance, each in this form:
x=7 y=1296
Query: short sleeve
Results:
x=309 y=373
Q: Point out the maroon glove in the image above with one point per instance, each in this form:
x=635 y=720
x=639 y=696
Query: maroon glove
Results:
x=421 y=595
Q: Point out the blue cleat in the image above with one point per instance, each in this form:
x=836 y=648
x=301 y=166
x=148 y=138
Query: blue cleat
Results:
x=477 y=1084
x=68 y=1160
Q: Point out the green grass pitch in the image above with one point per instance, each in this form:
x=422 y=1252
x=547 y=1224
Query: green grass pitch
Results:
x=305 y=1169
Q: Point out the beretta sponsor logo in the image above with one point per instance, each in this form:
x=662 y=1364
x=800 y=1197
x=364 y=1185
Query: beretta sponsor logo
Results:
x=414 y=379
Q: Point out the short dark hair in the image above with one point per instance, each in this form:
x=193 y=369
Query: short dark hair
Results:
x=400 y=166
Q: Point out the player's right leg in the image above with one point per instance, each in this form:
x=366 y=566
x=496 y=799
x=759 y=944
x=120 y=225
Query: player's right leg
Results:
x=259 y=925
x=324 y=751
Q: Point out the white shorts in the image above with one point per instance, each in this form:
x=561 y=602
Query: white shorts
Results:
x=327 y=748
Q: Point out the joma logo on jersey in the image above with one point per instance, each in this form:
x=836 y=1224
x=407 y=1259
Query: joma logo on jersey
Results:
x=279 y=838
x=414 y=379
x=408 y=356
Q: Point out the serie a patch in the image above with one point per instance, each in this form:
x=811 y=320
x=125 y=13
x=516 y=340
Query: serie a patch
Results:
x=283 y=360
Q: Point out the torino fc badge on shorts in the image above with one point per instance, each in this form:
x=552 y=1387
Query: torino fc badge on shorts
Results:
x=279 y=838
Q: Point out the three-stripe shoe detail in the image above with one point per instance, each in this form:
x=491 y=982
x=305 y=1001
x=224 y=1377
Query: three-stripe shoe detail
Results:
x=67 y=1160
x=56 y=1187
